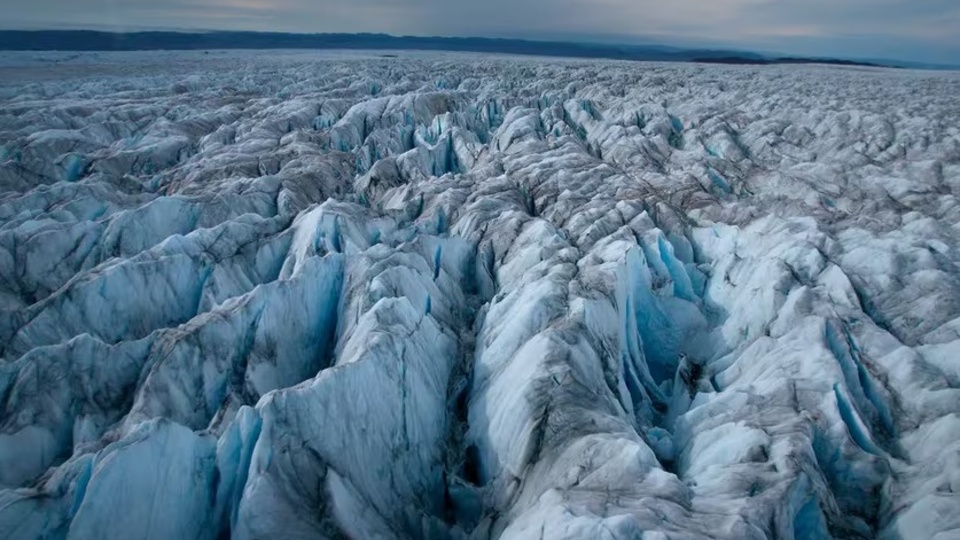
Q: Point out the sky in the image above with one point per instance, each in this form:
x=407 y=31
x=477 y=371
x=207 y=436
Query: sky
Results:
x=913 y=30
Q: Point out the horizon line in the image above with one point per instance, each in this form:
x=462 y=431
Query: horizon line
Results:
x=641 y=44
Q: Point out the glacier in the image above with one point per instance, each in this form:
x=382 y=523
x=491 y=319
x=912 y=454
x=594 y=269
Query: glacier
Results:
x=426 y=295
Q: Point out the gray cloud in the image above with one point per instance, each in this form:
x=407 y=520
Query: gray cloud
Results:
x=925 y=30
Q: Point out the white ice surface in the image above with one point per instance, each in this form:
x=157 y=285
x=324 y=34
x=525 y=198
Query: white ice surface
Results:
x=326 y=295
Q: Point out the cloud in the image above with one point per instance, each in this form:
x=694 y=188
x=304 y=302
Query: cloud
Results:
x=927 y=28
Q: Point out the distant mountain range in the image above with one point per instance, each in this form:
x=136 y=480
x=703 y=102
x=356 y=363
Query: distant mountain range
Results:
x=89 y=40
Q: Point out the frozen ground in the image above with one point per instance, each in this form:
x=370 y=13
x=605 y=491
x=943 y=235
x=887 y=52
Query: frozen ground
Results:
x=299 y=295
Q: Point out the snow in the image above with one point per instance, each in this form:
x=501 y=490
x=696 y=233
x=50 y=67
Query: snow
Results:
x=318 y=295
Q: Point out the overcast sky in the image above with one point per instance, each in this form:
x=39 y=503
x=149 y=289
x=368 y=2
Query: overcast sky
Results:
x=925 y=30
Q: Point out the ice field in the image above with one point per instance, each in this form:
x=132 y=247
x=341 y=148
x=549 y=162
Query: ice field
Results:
x=312 y=295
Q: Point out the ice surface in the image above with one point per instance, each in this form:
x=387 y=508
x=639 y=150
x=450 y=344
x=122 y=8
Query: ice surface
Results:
x=304 y=295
